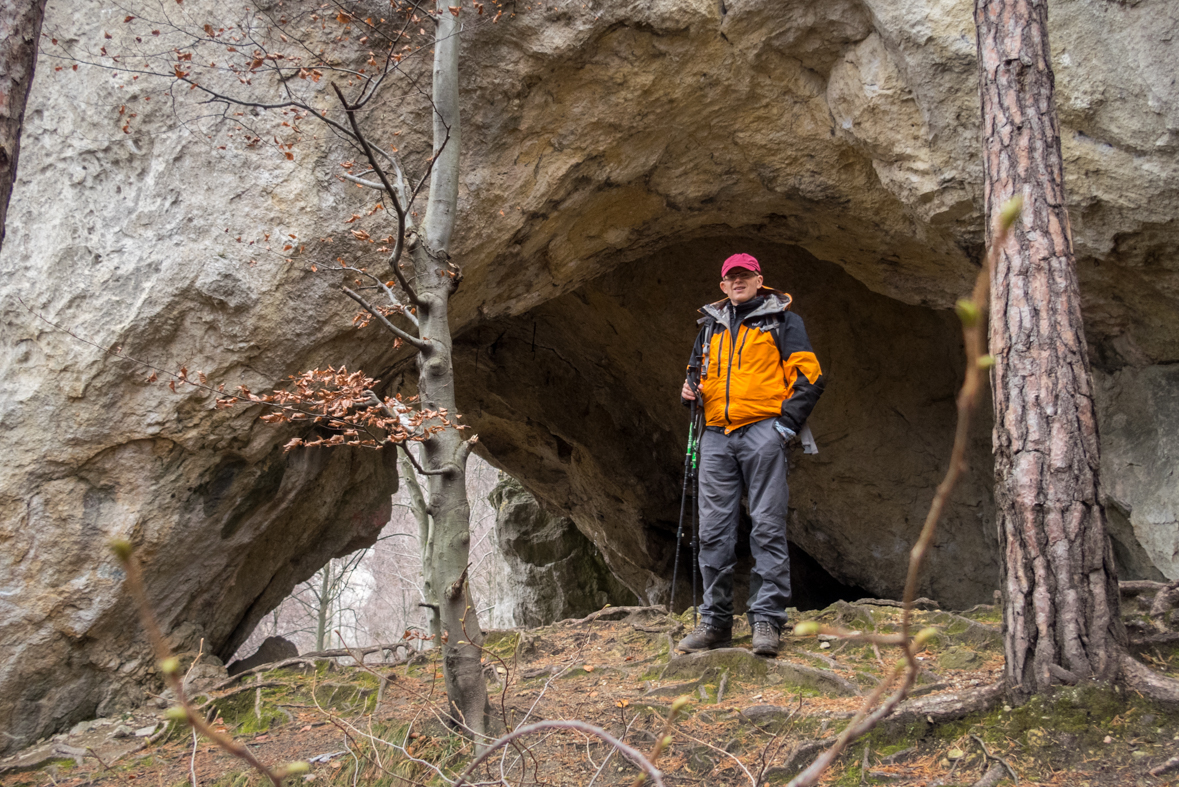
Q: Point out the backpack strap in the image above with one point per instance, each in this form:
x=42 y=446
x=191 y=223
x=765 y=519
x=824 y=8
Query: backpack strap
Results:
x=708 y=325
x=779 y=330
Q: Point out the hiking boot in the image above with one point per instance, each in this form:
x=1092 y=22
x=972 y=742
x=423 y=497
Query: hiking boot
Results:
x=706 y=637
x=765 y=638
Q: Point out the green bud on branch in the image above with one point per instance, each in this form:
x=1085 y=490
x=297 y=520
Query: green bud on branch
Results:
x=986 y=361
x=122 y=548
x=968 y=312
x=924 y=635
x=666 y=741
x=680 y=703
x=1010 y=212
x=806 y=629
x=293 y=769
x=176 y=713
x=170 y=665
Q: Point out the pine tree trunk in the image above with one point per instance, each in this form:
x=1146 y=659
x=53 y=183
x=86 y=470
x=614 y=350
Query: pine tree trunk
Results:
x=20 y=29
x=1060 y=595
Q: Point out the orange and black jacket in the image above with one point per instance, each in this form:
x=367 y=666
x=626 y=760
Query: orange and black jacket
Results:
x=763 y=367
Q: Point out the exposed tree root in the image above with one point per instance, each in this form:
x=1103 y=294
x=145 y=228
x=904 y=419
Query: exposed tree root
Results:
x=922 y=603
x=1137 y=587
x=1150 y=640
x=263 y=685
x=976 y=634
x=795 y=760
x=1168 y=766
x=1164 y=600
x=993 y=776
x=946 y=707
x=1166 y=596
x=611 y=613
x=309 y=659
x=1136 y=676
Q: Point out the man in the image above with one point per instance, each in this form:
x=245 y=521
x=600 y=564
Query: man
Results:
x=754 y=369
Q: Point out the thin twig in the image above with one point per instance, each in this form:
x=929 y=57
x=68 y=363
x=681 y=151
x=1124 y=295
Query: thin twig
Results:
x=192 y=759
x=170 y=669
x=971 y=312
x=718 y=750
x=399 y=241
x=610 y=756
x=632 y=754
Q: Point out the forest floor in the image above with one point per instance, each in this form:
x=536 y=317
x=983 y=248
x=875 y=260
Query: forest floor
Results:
x=751 y=720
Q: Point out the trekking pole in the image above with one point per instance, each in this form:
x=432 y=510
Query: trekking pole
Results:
x=679 y=533
x=698 y=426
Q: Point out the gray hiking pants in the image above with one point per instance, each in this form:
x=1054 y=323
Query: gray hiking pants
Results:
x=752 y=458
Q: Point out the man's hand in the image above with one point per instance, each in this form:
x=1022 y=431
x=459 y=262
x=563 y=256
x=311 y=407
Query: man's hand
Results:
x=687 y=393
x=785 y=431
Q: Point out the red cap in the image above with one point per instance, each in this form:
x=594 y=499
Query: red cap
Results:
x=740 y=261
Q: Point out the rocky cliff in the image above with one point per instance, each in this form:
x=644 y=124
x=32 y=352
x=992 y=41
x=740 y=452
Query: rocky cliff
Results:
x=616 y=151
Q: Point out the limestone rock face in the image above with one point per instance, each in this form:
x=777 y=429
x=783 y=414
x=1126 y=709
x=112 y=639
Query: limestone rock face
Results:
x=554 y=572
x=615 y=154
x=1140 y=462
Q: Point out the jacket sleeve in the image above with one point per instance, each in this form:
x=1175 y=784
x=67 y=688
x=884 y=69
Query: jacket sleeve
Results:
x=693 y=372
x=801 y=367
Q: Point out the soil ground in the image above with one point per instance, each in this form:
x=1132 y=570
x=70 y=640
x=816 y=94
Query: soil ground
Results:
x=750 y=721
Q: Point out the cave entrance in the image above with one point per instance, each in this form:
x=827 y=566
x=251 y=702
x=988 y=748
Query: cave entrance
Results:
x=578 y=398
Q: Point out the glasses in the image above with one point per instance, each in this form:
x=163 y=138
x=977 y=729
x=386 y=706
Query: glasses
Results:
x=740 y=275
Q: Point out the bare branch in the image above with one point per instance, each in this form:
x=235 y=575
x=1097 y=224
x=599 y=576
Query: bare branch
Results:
x=362 y=182
x=397 y=274
x=399 y=171
x=399 y=241
x=441 y=471
x=421 y=344
x=388 y=292
x=170 y=669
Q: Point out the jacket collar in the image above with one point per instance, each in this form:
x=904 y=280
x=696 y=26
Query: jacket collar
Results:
x=776 y=301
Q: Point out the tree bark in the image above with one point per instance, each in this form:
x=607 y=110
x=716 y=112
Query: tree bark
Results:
x=20 y=30
x=1060 y=594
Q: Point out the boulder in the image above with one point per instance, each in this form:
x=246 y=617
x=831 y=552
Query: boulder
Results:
x=614 y=155
x=553 y=571
x=271 y=650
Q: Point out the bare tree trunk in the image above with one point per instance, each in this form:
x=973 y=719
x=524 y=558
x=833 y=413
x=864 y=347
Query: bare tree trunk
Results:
x=20 y=30
x=446 y=452
x=323 y=602
x=1060 y=594
x=426 y=545
x=449 y=510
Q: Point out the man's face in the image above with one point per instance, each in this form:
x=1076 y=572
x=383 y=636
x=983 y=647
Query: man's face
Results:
x=740 y=284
